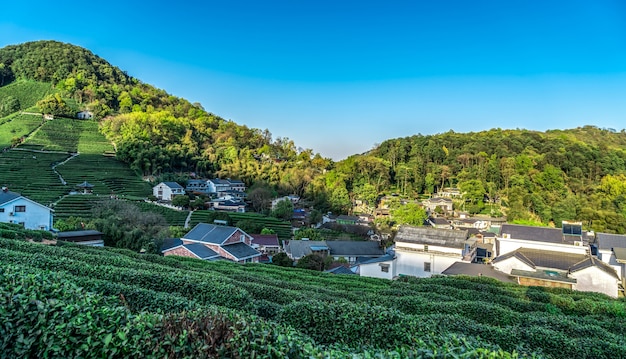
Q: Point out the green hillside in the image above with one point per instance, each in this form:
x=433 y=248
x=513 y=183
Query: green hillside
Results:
x=26 y=92
x=112 y=302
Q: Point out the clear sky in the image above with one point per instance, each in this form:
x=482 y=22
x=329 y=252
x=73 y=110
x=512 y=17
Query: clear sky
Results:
x=340 y=76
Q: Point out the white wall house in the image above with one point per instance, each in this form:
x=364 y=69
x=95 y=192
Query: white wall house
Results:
x=382 y=267
x=538 y=267
x=513 y=237
x=15 y=208
x=424 y=251
x=611 y=249
x=165 y=191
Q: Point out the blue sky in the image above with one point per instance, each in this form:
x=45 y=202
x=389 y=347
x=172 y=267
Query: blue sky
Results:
x=341 y=76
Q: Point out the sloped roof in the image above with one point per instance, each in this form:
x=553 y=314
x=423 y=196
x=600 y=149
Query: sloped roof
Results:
x=202 y=251
x=355 y=248
x=529 y=233
x=171 y=243
x=344 y=217
x=515 y=254
x=440 y=221
x=210 y=233
x=70 y=234
x=85 y=184
x=6 y=196
x=241 y=250
x=173 y=185
x=477 y=270
x=340 y=270
x=439 y=200
x=299 y=248
x=265 y=239
x=620 y=254
x=385 y=258
x=609 y=241
x=433 y=236
x=543 y=275
x=593 y=262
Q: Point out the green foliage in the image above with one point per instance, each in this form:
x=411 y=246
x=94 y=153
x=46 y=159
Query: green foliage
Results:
x=309 y=233
x=181 y=201
x=410 y=213
x=283 y=210
x=54 y=105
x=311 y=261
x=281 y=259
x=26 y=93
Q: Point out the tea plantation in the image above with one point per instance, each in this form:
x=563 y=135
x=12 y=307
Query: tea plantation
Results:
x=72 y=301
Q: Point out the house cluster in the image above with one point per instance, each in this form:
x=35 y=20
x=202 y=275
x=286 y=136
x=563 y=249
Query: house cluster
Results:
x=539 y=256
x=225 y=194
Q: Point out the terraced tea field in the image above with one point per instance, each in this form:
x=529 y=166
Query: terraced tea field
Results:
x=17 y=125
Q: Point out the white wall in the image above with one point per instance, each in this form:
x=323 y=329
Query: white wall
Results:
x=510 y=244
x=509 y=264
x=36 y=215
x=412 y=263
x=374 y=270
x=593 y=279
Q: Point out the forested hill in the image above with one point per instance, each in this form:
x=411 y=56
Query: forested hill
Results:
x=575 y=174
x=154 y=131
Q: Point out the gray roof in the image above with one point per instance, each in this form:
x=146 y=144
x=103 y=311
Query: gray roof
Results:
x=202 y=251
x=433 y=236
x=385 y=258
x=593 y=262
x=517 y=254
x=439 y=200
x=170 y=243
x=529 y=233
x=210 y=233
x=439 y=220
x=610 y=241
x=340 y=270
x=241 y=250
x=299 y=249
x=355 y=248
x=70 y=234
x=477 y=270
x=6 y=196
x=172 y=185
x=344 y=217
x=545 y=259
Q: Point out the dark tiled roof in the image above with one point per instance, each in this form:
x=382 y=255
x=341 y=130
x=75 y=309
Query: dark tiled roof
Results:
x=551 y=259
x=202 y=251
x=439 y=221
x=172 y=185
x=241 y=250
x=170 y=243
x=529 y=233
x=385 y=258
x=355 y=248
x=476 y=270
x=433 y=236
x=515 y=254
x=340 y=270
x=343 y=217
x=70 y=234
x=6 y=196
x=265 y=239
x=608 y=241
x=593 y=262
x=210 y=233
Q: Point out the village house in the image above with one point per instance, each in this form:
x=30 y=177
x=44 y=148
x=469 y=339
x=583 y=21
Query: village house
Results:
x=611 y=249
x=351 y=251
x=265 y=243
x=15 y=208
x=450 y=192
x=84 y=115
x=291 y=198
x=431 y=204
x=381 y=267
x=166 y=191
x=210 y=242
x=513 y=236
x=541 y=267
x=424 y=251
x=439 y=222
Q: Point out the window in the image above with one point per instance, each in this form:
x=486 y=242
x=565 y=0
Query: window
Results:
x=425 y=247
x=426 y=266
x=23 y=224
x=20 y=208
x=1 y=210
x=384 y=268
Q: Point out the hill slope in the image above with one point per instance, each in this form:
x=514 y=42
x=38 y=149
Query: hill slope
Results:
x=277 y=312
